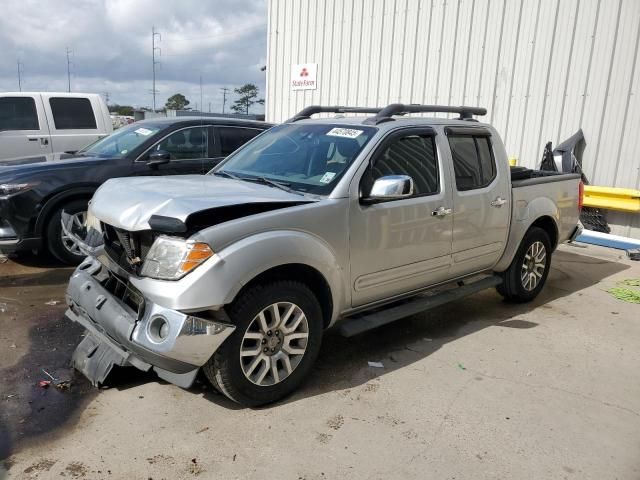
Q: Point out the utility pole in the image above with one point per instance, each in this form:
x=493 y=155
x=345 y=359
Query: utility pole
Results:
x=201 y=104
x=106 y=96
x=224 y=97
x=20 y=72
x=209 y=107
x=69 y=69
x=154 y=61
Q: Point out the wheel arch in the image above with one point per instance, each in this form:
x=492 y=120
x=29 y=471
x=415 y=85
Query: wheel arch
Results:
x=304 y=274
x=53 y=203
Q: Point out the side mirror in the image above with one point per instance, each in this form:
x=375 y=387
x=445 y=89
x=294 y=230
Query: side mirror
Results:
x=391 y=187
x=159 y=157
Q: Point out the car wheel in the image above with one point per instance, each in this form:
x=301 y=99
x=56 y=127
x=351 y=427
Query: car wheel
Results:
x=277 y=339
x=63 y=247
x=527 y=274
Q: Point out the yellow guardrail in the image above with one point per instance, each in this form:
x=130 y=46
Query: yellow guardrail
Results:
x=610 y=198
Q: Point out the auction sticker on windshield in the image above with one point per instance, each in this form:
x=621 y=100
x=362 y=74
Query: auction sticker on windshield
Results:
x=144 y=131
x=344 y=132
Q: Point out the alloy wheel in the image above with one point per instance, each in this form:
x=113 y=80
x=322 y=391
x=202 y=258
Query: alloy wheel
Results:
x=533 y=265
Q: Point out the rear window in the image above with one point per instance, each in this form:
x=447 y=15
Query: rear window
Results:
x=18 y=113
x=72 y=114
x=232 y=138
x=473 y=161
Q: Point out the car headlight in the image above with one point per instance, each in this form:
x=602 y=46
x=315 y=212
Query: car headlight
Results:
x=172 y=258
x=8 y=189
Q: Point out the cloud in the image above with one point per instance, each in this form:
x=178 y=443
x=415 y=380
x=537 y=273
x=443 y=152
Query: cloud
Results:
x=222 y=41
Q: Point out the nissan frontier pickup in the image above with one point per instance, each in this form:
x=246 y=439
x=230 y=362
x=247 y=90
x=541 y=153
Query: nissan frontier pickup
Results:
x=354 y=222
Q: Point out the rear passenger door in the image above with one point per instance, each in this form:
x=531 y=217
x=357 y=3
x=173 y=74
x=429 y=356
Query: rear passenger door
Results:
x=73 y=122
x=481 y=209
x=404 y=244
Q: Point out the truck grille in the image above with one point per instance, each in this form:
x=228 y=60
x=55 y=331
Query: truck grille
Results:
x=127 y=249
x=125 y=292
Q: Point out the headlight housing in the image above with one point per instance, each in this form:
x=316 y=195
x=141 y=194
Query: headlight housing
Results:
x=8 y=189
x=172 y=258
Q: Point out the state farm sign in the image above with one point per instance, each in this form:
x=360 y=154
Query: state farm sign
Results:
x=303 y=76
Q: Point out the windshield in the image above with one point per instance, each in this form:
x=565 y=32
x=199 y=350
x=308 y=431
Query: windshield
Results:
x=121 y=142
x=307 y=157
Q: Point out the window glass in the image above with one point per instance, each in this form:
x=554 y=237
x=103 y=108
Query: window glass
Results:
x=72 y=114
x=473 y=163
x=232 y=138
x=18 y=113
x=122 y=141
x=304 y=156
x=185 y=144
x=414 y=156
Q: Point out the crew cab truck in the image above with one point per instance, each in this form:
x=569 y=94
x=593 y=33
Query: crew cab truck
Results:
x=349 y=221
x=48 y=123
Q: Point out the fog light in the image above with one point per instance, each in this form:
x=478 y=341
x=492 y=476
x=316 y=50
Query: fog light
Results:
x=158 y=329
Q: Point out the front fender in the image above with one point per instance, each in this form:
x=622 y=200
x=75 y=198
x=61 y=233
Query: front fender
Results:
x=524 y=214
x=219 y=279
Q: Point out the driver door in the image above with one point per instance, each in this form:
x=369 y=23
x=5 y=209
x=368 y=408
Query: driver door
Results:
x=188 y=150
x=401 y=245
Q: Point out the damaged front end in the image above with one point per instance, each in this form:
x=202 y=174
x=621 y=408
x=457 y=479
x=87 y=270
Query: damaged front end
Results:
x=126 y=329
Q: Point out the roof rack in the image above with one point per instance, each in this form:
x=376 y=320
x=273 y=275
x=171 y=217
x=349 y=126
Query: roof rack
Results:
x=313 y=109
x=385 y=114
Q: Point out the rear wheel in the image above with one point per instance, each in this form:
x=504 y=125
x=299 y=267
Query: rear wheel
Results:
x=527 y=274
x=61 y=245
x=276 y=341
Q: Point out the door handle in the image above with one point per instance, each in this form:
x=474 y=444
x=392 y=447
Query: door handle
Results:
x=44 y=141
x=441 y=212
x=498 y=202
x=33 y=139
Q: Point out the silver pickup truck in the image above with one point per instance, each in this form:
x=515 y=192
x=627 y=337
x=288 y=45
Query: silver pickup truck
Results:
x=352 y=221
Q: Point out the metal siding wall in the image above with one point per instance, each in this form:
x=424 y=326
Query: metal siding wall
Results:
x=543 y=69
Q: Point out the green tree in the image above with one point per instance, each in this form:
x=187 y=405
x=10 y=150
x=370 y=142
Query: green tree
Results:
x=248 y=94
x=177 y=102
x=121 y=110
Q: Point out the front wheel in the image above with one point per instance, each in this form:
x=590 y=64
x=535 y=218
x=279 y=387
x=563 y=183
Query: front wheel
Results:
x=61 y=245
x=525 y=277
x=277 y=339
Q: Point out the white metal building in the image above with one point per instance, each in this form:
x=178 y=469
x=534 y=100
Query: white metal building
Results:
x=542 y=68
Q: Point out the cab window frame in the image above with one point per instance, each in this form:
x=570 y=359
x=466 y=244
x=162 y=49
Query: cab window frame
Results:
x=393 y=136
x=477 y=135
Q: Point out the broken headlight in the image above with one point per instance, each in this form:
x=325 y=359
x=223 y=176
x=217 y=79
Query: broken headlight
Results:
x=172 y=258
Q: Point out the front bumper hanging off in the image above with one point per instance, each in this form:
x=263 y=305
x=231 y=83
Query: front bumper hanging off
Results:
x=125 y=329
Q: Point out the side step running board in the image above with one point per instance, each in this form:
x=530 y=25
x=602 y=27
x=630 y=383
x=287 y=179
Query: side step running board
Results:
x=355 y=325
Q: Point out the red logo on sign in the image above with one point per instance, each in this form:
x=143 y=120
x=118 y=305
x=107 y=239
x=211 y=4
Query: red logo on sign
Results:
x=304 y=73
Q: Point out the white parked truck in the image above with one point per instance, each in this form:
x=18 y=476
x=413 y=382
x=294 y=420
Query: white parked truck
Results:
x=354 y=222
x=48 y=123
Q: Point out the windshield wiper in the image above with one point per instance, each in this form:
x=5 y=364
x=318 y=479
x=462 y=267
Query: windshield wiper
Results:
x=273 y=183
x=222 y=173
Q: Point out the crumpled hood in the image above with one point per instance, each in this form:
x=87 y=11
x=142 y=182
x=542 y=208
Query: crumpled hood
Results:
x=128 y=203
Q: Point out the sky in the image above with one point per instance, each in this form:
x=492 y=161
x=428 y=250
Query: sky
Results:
x=222 y=41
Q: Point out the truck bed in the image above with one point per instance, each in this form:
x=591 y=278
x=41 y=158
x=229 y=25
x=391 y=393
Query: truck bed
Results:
x=522 y=176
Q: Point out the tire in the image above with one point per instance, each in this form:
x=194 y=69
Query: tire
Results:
x=525 y=278
x=234 y=376
x=57 y=246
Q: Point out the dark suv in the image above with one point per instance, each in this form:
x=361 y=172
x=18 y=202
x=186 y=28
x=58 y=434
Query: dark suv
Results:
x=35 y=192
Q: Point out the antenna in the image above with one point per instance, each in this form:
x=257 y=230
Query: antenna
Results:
x=20 y=72
x=154 y=61
x=224 y=97
x=69 y=62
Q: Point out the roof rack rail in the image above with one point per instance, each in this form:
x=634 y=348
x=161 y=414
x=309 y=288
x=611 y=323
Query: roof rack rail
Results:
x=385 y=115
x=313 y=109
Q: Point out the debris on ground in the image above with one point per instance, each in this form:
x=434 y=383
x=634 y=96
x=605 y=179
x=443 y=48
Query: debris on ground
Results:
x=51 y=303
x=376 y=364
x=59 y=384
x=203 y=430
x=4 y=259
x=3 y=307
x=461 y=366
x=626 y=294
